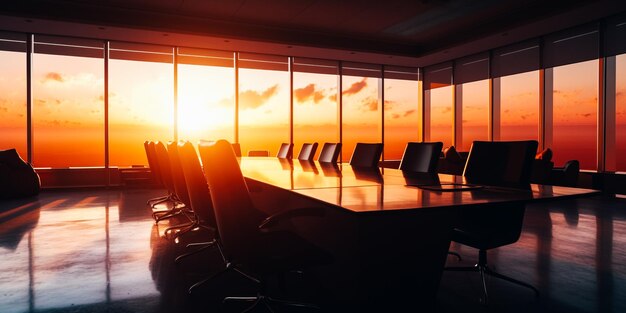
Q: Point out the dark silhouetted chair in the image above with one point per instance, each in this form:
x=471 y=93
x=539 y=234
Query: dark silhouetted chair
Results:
x=17 y=177
x=501 y=164
x=366 y=154
x=285 y=151
x=330 y=153
x=165 y=168
x=246 y=233
x=566 y=175
x=421 y=157
x=155 y=171
x=180 y=188
x=199 y=198
x=307 y=153
x=237 y=149
x=258 y=153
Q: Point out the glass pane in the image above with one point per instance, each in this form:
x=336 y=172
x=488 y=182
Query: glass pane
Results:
x=68 y=111
x=401 y=116
x=620 y=113
x=13 y=101
x=263 y=110
x=361 y=113
x=441 y=115
x=315 y=112
x=475 y=106
x=141 y=107
x=519 y=106
x=206 y=106
x=575 y=114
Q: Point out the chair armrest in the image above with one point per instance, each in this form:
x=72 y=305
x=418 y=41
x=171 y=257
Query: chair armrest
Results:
x=309 y=211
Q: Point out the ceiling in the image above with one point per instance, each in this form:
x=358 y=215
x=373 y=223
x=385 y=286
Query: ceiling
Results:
x=406 y=29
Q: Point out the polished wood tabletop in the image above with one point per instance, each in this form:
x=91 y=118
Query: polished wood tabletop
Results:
x=376 y=190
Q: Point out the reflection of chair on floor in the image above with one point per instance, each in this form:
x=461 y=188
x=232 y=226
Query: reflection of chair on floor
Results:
x=503 y=164
x=246 y=233
x=17 y=217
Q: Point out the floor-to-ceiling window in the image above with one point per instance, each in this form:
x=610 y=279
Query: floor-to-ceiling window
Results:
x=13 y=92
x=438 y=103
x=402 y=118
x=472 y=93
x=206 y=95
x=141 y=100
x=68 y=102
x=516 y=85
x=620 y=114
x=263 y=102
x=571 y=61
x=361 y=106
x=315 y=112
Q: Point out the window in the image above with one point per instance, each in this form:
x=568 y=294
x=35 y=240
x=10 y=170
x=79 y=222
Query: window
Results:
x=361 y=112
x=141 y=100
x=68 y=102
x=402 y=118
x=519 y=106
x=206 y=95
x=575 y=113
x=13 y=92
x=315 y=113
x=620 y=113
x=263 y=102
x=475 y=114
x=438 y=102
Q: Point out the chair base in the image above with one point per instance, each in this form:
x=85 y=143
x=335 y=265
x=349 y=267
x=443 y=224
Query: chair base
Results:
x=268 y=302
x=484 y=270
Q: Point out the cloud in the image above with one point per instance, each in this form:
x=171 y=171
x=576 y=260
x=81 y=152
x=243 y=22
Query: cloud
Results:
x=446 y=110
x=395 y=116
x=53 y=76
x=4 y=109
x=356 y=87
x=389 y=104
x=252 y=99
x=409 y=112
x=369 y=104
x=308 y=93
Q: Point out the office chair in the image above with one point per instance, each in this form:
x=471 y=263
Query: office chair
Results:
x=285 y=151
x=307 y=153
x=156 y=173
x=199 y=199
x=247 y=239
x=366 y=154
x=163 y=161
x=421 y=157
x=180 y=188
x=330 y=153
x=501 y=164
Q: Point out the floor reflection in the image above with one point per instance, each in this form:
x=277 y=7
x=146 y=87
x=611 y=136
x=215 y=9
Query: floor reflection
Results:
x=99 y=250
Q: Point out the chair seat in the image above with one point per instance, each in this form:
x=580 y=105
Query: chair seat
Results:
x=480 y=240
x=279 y=251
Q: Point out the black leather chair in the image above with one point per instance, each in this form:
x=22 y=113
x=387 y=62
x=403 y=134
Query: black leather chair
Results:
x=421 y=157
x=307 y=153
x=180 y=189
x=285 y=151
x=252 y=247
x=500 y=164
x=366 y=154
x=330 y=153
x=155 y=171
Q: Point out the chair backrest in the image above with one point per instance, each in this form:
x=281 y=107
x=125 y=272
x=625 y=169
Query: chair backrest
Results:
x=180 y=186
x=285 y=151
x=330 y=153
x=237 y=219
x=197 y=187
x=152 y=162
x=307 y=153
x=258 y=153
x=421 y=157
x=237 y=149
x=366 y=154
x=163 y=160
x=501 y=163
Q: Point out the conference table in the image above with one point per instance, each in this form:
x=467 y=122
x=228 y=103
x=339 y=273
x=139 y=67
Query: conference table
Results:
x=389 y=230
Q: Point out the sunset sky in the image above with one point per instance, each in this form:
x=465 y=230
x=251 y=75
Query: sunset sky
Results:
x=68 y=109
